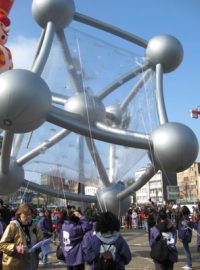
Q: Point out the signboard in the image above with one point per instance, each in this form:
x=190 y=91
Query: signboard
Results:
x=173 y=192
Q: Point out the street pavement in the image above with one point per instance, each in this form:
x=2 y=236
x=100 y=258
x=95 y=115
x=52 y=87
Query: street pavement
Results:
x=138 y=243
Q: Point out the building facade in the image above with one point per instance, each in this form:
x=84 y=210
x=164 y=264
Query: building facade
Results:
x=156 y=188
x=189 y=184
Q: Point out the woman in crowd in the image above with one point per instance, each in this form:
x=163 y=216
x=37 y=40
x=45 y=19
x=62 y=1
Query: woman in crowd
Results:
x=150 y=222
x=108 y=240
x=2 y=229
x=185 y=226
x=166 y=230
x=197 y=228
x=72 y=234
x=19 y=236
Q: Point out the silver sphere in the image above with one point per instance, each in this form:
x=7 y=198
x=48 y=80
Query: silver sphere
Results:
x=60 y=12
x=175 y=147
x=107 y=198
x=115 y=114
x=25 y=100
x=90 y=108
x=11 y=181
x=165 y=50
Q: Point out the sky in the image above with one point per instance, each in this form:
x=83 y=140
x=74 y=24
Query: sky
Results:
x=144 y=18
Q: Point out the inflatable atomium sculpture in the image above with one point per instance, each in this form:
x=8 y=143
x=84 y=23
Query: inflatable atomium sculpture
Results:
x=28 y=102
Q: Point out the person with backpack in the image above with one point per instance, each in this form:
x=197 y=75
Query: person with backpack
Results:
x=107 y=249
x=185 y=226
x=73 y=230
x=163 y=237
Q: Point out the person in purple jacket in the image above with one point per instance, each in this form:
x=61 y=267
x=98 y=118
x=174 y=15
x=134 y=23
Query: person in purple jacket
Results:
x=107 y=237
x=73 y=230
x=89 y=234
x=185 y=226
x=197 y=228
x=167 y=230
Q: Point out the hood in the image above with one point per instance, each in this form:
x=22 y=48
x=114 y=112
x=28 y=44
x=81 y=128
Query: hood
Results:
x=108 y=238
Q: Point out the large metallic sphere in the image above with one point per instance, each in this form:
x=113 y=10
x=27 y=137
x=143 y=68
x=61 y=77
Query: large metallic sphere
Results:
x=165 y=50
x=60 y=12
x=175 y=147
x=25 y=100
x=11 y=181
x=107 y=199
x=115 y=114
x=90 y=108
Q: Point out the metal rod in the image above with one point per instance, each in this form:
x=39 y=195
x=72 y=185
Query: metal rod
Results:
x=97 y=161
x=17 y=141
x=134 y=139
x=122 y=80
x=143 y=179
x=81 y=172
x=59 y=98
x=110 y=29
x=100 y=132
x=112 y=162
x=39 y=47
x=161 y=109
x=5 y=151
x=45 y=48
x=76 y=81
x=59 y=193
x=46 y=145
x=135 y=90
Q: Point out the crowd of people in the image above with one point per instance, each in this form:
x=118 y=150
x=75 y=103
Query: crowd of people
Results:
x=93 y=238
x=82 y=238
x=169 y=223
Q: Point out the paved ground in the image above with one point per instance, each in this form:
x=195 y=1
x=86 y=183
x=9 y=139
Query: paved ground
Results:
x=138 y=242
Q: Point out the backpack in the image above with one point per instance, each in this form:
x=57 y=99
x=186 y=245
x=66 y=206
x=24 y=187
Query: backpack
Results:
x=105 y=260
x=159 y=250
x=59 y=253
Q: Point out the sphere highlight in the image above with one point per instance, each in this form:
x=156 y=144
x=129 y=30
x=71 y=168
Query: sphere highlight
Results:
x=175 y=147
x=165 y=50
x=25 y=100
x=60 y=12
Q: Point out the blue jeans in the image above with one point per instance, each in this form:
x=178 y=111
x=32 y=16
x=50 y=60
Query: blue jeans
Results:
x=43 y=257
x=187 y=253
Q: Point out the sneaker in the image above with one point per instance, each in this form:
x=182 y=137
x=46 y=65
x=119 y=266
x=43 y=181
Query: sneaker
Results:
x=186 y=267
x=42 y=262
